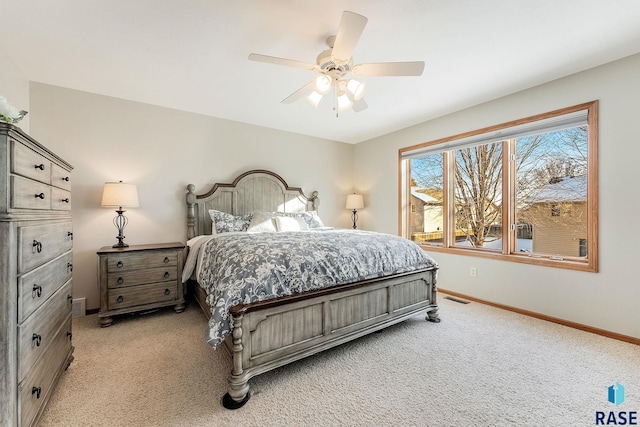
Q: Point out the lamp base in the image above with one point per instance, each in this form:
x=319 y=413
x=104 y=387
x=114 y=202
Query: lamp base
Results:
x=354 y=218
x=120 y=245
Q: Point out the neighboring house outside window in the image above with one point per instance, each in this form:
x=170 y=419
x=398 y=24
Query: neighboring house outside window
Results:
x=524 y=191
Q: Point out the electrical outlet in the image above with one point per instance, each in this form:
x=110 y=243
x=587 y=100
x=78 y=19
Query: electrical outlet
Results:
x=473 y=272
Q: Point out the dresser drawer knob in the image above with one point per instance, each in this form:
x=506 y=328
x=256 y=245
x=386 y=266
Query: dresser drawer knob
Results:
x=37 y=245
x=166 y=274
x=120 y=298
x=66 y=178
x=120 y=264
x=69 y=266
x=70 y=299
x=40 y=196
x=36 y=391
x=120 y=280
x=166 y=260
x=37 y=291
x=37 y=339
x=70 y=234
x=167 y=291
x=65 y=200
x=40 y=166
x=69 y=335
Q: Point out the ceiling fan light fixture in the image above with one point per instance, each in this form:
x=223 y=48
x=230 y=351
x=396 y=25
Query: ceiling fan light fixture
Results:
x=314 y=98
x=356 y=89
x=344 y=103
x=322 y=84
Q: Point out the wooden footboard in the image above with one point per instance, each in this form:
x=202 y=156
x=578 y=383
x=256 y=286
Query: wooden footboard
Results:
x=270 y=334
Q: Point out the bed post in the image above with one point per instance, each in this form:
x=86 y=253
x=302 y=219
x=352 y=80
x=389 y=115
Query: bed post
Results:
x=191 y=213
x=432 y=310
x=315 y=200
x=238 y=391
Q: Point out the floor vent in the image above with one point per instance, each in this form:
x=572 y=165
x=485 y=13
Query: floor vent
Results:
x=461 y=301
x=78 y=308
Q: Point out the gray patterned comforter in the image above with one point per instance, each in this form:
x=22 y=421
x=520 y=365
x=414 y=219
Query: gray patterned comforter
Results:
x=247 y=267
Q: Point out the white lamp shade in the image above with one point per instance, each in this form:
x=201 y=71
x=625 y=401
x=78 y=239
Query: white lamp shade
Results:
x=314 y=98
x=355 y=201
x=344 y=103
x=322 y=84
x=119 y=194
x=356 y=89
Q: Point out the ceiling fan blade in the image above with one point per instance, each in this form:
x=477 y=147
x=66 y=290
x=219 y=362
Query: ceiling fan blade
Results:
x=281 y=61
x=300 y=93
x=349 y=32
x=359 y=105
x=389 y=69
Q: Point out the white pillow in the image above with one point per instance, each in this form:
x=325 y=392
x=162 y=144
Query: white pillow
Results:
x=288 y=223
x=262 y=221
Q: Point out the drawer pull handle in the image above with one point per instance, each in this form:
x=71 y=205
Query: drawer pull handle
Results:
x=167 y=291
x=166 y=259
x=40 y=196
x=120 y=280
x=69 y=335
x=70 y=299
x=65 y=200
x=40 y=166
x=70 y=234
x=69 y=266
x=37 y=291
x=120 y=264
x=37 y=339
x=36 y=391
x=120 y=298
x=66 y=178
x=166 y=274
x=37 y=245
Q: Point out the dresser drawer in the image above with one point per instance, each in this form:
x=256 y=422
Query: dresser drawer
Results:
x=26 y=162
x=36 y=334
x=143 y=259
x=137 y=277
x=143 y=294
x=60 y=177
x=38 y=244
x=34 y=390
x=29 y=194
x=60 y=199
x=38 y=285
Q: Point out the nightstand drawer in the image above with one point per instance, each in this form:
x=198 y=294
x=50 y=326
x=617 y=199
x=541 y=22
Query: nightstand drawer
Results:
x=143 y=294
x=35 y=287
x=138 y=277
x=143 y=259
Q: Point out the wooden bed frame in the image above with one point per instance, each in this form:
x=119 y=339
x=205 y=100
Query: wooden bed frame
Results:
x=273 y=333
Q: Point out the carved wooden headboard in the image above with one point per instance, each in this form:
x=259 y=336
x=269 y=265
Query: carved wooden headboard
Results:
x=253 y=191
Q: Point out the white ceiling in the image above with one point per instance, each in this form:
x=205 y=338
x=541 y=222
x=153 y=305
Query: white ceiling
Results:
x=192 y=54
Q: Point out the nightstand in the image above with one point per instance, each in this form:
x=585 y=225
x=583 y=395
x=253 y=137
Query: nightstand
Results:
x=139 y=278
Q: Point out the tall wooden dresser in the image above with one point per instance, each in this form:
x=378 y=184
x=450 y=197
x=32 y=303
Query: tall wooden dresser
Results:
x=36 y=241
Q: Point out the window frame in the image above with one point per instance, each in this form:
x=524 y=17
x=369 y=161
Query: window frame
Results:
x=509 y=234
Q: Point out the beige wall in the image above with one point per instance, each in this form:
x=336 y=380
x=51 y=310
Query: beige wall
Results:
x=15 y=87
x=608 y=299
x=162 y=150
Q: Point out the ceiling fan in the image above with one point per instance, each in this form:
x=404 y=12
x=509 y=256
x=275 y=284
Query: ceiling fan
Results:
x=334 y=65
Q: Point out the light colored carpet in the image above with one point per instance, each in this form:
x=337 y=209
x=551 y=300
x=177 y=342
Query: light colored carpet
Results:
x=480 y=366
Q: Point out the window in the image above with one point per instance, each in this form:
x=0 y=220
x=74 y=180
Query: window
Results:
x=523 y=191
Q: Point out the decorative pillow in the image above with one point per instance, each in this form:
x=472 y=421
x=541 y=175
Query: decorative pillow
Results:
x=312 y=219
x=262 y=221
x=290 y=223
x=224 y=222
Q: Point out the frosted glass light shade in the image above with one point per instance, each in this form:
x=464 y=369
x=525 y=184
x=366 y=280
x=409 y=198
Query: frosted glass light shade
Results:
x=314 y=98
x=322 y=84
x=344 y=103
x=356 y=89
x=355 y=201
x=119 y=194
